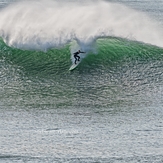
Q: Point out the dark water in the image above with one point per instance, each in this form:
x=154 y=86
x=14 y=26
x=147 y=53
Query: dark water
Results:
x=109 y=109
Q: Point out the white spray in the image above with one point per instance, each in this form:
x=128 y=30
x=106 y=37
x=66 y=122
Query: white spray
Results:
x=49 y=24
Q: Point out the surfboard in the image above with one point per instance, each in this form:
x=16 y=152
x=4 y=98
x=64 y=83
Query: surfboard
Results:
x=73 y=66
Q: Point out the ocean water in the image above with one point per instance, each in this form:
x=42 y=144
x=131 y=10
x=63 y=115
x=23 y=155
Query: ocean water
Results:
x=109 y=109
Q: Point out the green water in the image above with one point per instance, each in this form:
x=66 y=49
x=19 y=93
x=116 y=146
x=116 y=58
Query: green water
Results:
x=120 y=69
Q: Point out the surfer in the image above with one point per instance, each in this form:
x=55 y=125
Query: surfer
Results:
x=77 y=58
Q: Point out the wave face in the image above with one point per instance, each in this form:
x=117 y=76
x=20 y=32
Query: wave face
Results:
x=122 y=73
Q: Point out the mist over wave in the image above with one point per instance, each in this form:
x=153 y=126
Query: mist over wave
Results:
x=48 y=24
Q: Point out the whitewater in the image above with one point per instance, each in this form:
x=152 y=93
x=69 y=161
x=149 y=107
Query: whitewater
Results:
x=50 y=24
x=108 y=109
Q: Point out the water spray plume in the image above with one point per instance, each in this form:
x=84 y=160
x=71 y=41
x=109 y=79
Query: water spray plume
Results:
x=50 y=24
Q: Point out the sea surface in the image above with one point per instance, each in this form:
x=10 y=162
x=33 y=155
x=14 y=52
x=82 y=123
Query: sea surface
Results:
x=109 y=109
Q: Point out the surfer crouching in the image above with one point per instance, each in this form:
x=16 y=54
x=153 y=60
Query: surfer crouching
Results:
x=77 y=58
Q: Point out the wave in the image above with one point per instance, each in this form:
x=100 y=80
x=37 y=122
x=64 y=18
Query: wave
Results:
x=122 y=73
x=113 y=55
x=121 y=67
x=106 y=52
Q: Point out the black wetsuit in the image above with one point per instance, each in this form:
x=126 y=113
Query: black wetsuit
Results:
x=77 y=58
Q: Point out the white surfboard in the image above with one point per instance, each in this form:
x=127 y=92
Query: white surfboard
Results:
x=74 y=65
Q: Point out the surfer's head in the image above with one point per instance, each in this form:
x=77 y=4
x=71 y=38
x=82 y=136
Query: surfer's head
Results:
x=78 y=50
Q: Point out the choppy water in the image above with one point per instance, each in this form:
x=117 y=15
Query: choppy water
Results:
x=109 y=109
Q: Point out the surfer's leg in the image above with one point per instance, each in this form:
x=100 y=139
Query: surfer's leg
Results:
x=78 y=58
x=75 y=59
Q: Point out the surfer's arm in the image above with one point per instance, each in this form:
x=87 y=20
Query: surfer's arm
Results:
x=82 y=52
